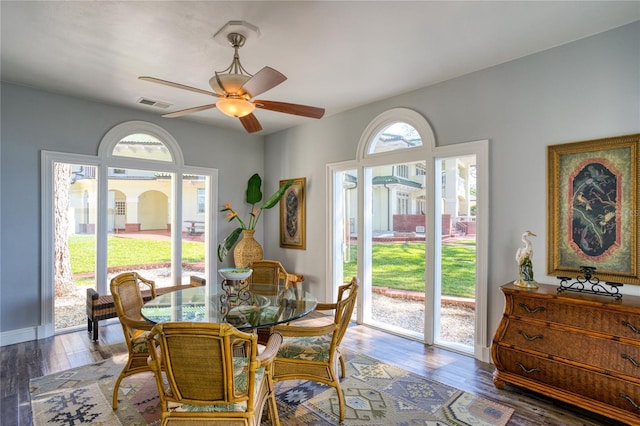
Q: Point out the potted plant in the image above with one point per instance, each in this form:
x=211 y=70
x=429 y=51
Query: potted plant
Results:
x=253 y=197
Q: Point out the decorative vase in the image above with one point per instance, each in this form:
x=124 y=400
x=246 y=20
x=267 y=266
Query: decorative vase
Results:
x=247 y=250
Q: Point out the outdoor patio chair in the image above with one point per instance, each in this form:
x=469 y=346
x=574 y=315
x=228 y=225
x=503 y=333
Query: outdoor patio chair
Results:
x=311 y=352
x=201 y=382
x=127 y=299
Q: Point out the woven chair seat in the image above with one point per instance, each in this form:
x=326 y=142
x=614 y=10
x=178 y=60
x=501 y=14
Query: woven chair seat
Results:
x=240 y=371
x=309 y=348
x=139 y=342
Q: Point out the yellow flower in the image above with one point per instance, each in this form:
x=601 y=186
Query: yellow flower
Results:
x=231 y=215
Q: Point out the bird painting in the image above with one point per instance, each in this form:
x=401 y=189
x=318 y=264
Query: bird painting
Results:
x=524 y=257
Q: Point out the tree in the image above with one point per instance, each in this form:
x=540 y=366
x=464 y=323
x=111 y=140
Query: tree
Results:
x=63 y=279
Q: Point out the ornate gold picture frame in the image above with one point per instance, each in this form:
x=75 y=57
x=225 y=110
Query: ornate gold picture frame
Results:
x=292 y=215
x=593 y=216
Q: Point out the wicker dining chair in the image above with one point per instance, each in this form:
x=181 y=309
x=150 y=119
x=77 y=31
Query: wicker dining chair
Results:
x=269 y=272
x=272 y=272
x=201 y=382
x=127 y=299
x=311 y=352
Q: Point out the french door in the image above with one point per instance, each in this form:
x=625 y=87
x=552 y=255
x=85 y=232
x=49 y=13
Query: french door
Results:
x=409 y=220
x=124 y=210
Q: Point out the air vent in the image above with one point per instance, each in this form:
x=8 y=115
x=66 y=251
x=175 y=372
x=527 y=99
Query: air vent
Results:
x=154 y=103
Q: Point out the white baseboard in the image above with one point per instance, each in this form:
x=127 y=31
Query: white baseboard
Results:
x=18 y=336
x=483 y=353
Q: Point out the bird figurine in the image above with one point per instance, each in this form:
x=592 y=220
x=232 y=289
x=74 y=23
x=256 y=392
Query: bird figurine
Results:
x=525 y=265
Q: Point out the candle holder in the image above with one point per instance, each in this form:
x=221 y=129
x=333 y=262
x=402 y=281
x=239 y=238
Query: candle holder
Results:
x=588 y=283
x=234 y=293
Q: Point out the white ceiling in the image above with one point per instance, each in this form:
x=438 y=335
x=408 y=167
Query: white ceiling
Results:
x=336 y=55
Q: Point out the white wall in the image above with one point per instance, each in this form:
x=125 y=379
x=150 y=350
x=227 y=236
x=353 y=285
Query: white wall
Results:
x=584 y=90
x=32 y=121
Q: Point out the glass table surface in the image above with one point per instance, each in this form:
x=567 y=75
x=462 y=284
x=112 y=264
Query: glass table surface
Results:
x=256 y=306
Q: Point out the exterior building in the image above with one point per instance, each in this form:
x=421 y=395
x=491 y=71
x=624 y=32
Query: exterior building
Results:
x=399 y=191
x=138 y=200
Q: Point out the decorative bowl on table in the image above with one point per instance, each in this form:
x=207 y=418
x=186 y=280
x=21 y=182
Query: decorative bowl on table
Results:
x=236 y=274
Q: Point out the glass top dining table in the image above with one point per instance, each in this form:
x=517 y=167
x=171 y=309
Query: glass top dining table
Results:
x=254 y=306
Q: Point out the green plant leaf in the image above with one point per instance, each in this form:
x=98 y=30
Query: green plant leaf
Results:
x=228 y=243
x=254 y=195
x=273 y=200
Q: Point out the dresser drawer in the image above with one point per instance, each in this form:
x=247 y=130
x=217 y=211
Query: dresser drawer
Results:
x=610 y=390
x=621 y=324
x=603 y=354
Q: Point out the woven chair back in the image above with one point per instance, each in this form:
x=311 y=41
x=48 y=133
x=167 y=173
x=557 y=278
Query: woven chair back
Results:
x=267 y=272
x=127 y=295
x=199 y=364
x=347 y=295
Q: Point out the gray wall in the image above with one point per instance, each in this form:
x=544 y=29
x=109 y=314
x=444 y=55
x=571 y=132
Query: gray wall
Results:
x=584 y=90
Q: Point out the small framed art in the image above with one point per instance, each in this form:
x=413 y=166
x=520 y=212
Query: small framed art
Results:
x=292 y=215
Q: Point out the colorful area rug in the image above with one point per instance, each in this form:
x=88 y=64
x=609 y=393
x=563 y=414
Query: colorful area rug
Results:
x=376 y=393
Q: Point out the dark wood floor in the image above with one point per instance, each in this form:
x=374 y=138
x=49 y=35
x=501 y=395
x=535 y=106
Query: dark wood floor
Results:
x=37 y=358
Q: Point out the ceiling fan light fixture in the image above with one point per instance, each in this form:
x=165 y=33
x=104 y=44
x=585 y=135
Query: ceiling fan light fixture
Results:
x=235 y=107
x=235 y=87
x=224 y=84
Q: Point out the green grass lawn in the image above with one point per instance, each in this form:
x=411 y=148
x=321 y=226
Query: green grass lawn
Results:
x=395 y=265
x=128 y=251
x=401 y=266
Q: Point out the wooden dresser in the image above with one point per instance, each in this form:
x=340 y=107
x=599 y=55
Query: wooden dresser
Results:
x=578 y=348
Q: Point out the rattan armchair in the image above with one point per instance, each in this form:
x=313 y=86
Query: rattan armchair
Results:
x=311 y=352
x=201 y=382
x=272 y=272
x=127 y=299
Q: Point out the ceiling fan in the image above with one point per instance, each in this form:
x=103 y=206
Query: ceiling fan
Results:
x=236 y=90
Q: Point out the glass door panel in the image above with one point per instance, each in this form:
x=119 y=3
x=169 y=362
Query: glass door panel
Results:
x=345 y=240
x=74 y=201
x=194 y=211
x=139 y=224
x=456 y=286
x=396 y=247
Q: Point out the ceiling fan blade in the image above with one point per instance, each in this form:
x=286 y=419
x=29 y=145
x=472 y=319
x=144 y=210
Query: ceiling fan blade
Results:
x=265 y=79
x=251 y=123
x=287 y=108
x=188 y=111
x=178 y=86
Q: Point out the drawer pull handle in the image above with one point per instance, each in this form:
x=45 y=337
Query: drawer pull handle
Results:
x=531 y=311
x=527 y=370
x=530 y=338
x=630 y=359
x=628 y=324
x=628 y=398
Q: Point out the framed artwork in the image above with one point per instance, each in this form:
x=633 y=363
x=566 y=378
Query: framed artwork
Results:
x=292 y=215
x=593 y=214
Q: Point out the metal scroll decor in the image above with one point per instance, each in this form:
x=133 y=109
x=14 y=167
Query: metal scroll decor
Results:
x=236 y=292
x=588 y=283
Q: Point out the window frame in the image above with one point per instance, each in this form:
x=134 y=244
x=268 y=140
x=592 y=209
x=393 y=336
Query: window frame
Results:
x=103 y=162
x=430 y=153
